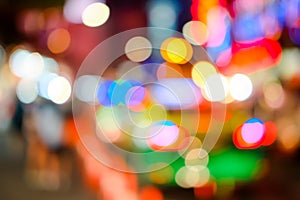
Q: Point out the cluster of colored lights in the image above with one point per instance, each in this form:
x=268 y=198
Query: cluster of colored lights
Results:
x=38 y=76
x=53 y=27
x=120 y=92
x=131 y=108
x=254 y=133
x=245 y=38
x=240 y=38
x=155 y=114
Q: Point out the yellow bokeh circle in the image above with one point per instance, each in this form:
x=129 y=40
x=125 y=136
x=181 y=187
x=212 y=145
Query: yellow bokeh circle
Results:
x=176 y=50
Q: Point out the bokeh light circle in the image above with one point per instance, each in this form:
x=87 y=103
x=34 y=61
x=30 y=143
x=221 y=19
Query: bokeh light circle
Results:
x=59 y=40
x=253 y=130
x=176 y=50
x=59 y=90
x=252 y=134
x=240 y=87
x=138 y=49
x=95 y=14
x=195 y=32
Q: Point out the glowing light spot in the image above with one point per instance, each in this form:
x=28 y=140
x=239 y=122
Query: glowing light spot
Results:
x=59 y=90
x=250 y=134
x=138 y=49
x=215 y=88
x=289 y=138
x=26 y=91
x=195 y=32
x=86 y=87
x=197 y=156
x=240 y=87
x=176 y=50
x=201 y=71
x=195 y=176
x=253 y=130
x=59 y=40
x=16 y=62
x=273 y=94
x=163 y=133
x=180 y=177
x=181 y=142
x=95 y=14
